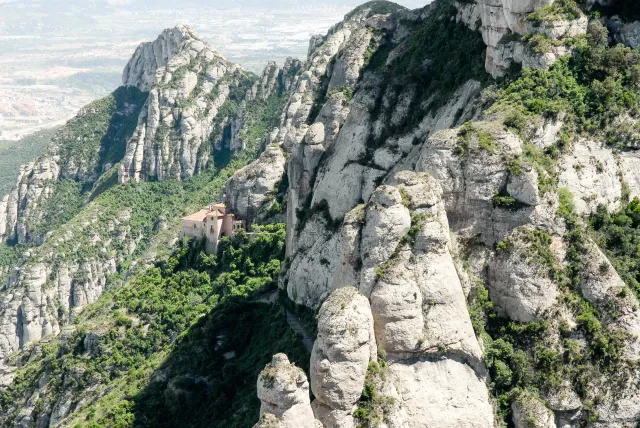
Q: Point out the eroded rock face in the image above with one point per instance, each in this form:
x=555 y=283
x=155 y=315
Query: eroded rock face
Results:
x=627 y=33
x=519 y=279
x=144 y=69
x=341 y=354
x=195 y=107
x=500 y=19
x=44 y=292
x=471 y=178
x=417 y=299
x=283 y=390
x=187 y=94
x=417 y=310
x=248 y=191
x=590 y=172
x=530 y=412
x=443 y=393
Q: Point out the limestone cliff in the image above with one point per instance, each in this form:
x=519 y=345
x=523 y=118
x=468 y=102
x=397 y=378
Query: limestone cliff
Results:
x=422 y=215
x=196 y=106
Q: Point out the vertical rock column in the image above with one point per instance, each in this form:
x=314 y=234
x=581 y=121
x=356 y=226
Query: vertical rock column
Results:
x=283 y=390
x=341 y=355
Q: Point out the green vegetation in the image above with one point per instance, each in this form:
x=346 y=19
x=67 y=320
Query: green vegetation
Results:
x=469 y=133
x=13 y=154
x=65 y=202
x=88 y=142
x=99 y=134
x=541 y=44
x=522 y=356
x=558 y=11
x=372 y=403
x=589 y=89
x=439 y=56
x=347 y=91
x=179 y=320
x=618 y=234
x=261 y=117
x=505 y=201
x=376 y=7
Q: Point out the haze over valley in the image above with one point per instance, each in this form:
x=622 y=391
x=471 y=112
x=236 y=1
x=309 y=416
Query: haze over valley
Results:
x=56 y=57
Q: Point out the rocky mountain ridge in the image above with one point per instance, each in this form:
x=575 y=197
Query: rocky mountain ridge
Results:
x=445 y=214
x=354 y=219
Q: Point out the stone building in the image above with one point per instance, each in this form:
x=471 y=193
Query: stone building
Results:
x=212 y=224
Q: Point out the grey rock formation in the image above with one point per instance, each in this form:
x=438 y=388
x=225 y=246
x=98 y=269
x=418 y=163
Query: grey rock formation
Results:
x=590 y=172
x=530 y=411
x=500 y=19
x=520 y=281
x=195 y=108
x=442 y=393
x=144 y=69
x=341 y=354
x=417 y=299
x=190 y=88
x=44 y=292
x=251 y=189
x=627 y=33
x=283 y=390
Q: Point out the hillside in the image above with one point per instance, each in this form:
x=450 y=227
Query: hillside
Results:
x=16 y=153
x=447 y=199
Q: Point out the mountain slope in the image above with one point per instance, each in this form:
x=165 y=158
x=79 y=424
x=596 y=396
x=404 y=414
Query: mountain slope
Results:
x=72 y=231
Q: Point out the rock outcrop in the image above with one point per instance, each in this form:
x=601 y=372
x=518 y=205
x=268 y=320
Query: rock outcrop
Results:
x=341 y=354
x=520 y=281
x=144 y=69
x=283 y=390
x=251 y=189
x=504 y=22
x=417 y=311
x=195 y=109
x=50 y=286
x=530 y=412
x=181 y=115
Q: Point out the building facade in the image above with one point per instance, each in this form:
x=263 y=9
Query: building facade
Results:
x=212 y=224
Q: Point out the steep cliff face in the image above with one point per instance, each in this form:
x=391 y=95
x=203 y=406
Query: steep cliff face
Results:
x=390 y=195
x=533 y=33
x=196 y=106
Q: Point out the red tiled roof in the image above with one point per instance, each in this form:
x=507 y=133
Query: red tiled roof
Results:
x=198 y=216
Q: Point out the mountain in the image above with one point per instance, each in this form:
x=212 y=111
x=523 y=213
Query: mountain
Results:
x=445 y=226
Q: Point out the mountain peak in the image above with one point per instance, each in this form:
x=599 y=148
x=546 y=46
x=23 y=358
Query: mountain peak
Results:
x=149 y=57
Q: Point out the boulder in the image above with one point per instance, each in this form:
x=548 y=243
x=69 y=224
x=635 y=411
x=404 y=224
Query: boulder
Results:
x=283 y=390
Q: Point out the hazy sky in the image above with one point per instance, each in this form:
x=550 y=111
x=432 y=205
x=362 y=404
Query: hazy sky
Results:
x=98 y=5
